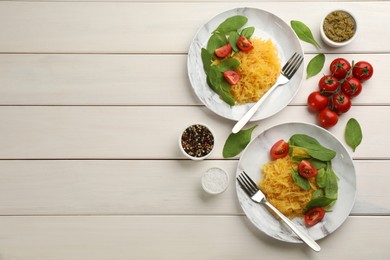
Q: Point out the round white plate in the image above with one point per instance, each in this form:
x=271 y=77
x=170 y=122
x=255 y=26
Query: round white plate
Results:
x=257 y=154
x=267 y=26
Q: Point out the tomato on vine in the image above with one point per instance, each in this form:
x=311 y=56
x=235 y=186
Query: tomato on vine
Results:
x=337 y=89
x=341 y=103
x=362 y=70
x=327 y=118
x=351 y=87
x=316 y=102
x=328 y=85
x=340 y=68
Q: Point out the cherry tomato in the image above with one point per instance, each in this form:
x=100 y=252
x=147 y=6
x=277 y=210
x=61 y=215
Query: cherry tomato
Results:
x=339 y=68
x=351 y=87
x=316 y=102
x=362 y=70
x=244 y=44
x=314 y=215
x=231 y=77
x=327 y=118
x=223 y=51
x=341 y=103
x=279 y=149
x=328 y=85
x=306 y=169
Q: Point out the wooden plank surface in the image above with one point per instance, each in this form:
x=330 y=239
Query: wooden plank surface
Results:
x=178 y=237
x=146 y=187
x=150 y=132
x=93 y=96
x=52 y=79
x=112 y=27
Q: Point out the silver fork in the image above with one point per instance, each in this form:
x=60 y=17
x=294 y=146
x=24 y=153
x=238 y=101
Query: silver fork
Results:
x=288 y=71
x=250 y=188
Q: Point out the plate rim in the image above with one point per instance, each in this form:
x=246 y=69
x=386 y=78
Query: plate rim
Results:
x=255 y=117
x=238 y=170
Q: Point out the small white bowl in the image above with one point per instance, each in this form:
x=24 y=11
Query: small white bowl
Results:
x=215 y=180
x=209 y=147
x=332 y=43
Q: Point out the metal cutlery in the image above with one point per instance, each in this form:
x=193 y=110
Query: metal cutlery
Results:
x=288 y=71
x=251 y=189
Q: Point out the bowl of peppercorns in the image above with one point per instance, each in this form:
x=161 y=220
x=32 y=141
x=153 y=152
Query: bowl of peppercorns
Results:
x=197 y=141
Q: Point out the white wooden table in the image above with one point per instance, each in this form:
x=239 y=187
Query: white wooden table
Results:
x=93 y=96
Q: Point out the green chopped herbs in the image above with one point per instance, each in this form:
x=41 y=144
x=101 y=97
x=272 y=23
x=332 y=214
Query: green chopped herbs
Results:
x=235 y=143
x=353 y=133
x=197 y=141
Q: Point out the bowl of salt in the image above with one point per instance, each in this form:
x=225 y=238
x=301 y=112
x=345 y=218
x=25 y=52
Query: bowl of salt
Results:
x=215 y=180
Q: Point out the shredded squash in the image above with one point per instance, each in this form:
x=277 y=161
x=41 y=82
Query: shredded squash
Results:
x=281 y=190
x=259 y=69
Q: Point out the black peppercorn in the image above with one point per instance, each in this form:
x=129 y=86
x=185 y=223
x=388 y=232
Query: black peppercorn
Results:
x=197 y=140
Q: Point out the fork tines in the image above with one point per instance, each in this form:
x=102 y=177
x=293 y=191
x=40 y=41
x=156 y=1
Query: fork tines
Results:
x=292 y=65
x=247 y=184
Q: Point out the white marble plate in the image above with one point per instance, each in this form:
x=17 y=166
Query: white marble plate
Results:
x=257 y=153
x=267 y=26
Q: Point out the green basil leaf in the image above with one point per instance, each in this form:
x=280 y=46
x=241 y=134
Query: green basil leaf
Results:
x=231 y=24
x=227 y=97
x=304 y=33
x=216 y=40
x=235 y=143
x=229 y=64
x=215 y=77
x=331 y=188
x=353 y=133
x=217 y=83
x=207 y=59
x=301 y=181
x=319 y=202
x=233 y=37
x=312 y=147
x=317 y=163
x=225 y=94
x=321 y=178
x=315 y=65
x=248 y=32
x=317 y=194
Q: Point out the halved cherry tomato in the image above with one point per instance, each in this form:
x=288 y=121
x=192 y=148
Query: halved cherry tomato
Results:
x=314 y=215
x=316 y=101
x=279 y=149
x=362 y=70
x=244 y=44
x=339 y=68
x=223 y=51
x=328 y=85
x=341 y=103
x=327 y=118
x=306 y=169
x=231 y=77
x=351 y=87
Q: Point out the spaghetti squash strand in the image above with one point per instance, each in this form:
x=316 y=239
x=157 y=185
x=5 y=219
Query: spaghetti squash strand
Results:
x=281 y=190
x=259 y=70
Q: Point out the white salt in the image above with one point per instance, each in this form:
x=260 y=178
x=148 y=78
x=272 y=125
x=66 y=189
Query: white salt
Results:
x=215 y=180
